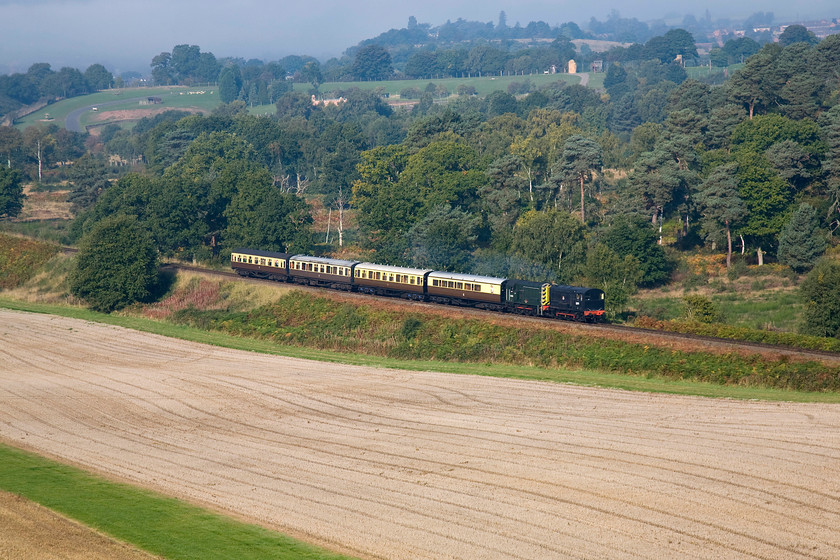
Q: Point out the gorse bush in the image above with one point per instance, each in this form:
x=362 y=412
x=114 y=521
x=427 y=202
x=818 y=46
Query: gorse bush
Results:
x=21 y=258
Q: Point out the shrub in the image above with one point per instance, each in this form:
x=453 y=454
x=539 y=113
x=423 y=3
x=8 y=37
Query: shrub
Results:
x=701 y=309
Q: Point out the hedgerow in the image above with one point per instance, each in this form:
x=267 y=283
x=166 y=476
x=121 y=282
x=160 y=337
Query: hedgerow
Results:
x=304 y=320
x=731 y=332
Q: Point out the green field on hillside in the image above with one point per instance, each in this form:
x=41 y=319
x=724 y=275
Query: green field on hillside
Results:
x=173 y=97
x=178 y=97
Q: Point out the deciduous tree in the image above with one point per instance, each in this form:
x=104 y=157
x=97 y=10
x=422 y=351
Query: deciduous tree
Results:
x=117 y=265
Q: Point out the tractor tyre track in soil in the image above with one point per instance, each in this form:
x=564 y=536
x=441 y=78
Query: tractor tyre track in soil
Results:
x=397 y=464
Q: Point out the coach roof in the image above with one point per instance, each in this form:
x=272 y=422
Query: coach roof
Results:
x=394 y=269
x=323 y=260
x=467 y=277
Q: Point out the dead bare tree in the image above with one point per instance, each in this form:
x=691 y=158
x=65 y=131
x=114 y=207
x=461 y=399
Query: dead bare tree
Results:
x=302 y=184
x=340 y=201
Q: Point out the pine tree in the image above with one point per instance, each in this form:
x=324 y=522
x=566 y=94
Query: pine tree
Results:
x=721 y=205
x=11 y=192
x=801 y=242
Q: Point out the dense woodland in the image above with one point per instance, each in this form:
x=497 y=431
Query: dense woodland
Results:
x=561 y=182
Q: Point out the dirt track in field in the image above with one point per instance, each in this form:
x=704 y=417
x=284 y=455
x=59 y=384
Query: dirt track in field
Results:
x=405 y=465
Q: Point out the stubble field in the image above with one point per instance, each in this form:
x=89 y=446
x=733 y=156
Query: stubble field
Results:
x=396 y=464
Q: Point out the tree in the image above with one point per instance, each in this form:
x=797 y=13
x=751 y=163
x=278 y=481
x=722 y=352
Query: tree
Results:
x=830 y=123
x=721 y=205
x=766 y=194
x=372 y=62
x=795 y=164
x=444 y=239
x=659 y=182
x=11 y=143
x=311 y=72
x=230 y=82
x=184 y=62
x=260 y=215
x=501 y=197
x=797 y=34
x=11 y=192
x=632 y=235
x=89 y=179
x=553 y=239
x=801 y=242
x=821 y=293
x=161 y=72
x=617 y=276
x=581 y=156
x=39 y=142
x=99 y=77
x=117 y=265
x=756 y=85
x=675 y=43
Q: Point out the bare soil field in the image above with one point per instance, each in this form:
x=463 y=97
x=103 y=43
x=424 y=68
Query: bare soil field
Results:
x=32 y=532
x=44 y=206
x=411 y=465
x=118 y=115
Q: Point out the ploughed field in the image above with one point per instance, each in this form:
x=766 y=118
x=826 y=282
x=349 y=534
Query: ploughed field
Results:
x=405 y=465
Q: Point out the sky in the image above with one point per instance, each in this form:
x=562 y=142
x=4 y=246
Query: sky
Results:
x=125 y=35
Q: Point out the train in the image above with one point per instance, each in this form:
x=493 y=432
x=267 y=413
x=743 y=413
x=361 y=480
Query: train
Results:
x=507 y=295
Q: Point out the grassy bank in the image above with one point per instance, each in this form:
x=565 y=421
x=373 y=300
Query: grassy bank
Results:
x=151 y=522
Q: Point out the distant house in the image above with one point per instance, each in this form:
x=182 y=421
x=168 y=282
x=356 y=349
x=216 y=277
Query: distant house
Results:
x=596 y=66
x=325 y=102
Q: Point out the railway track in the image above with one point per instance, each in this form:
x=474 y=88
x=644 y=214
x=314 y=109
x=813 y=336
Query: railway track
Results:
x=636 y=334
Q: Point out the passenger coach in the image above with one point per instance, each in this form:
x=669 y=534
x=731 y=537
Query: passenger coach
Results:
x=387 y=280
x=465 y=289
x=319 y=271
x=260 y=264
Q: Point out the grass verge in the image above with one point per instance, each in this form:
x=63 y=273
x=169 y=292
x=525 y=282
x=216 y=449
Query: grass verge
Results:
x=157 y=524
x=578 y=376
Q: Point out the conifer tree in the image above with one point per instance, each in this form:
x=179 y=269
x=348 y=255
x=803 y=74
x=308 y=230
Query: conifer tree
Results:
x=801 y=242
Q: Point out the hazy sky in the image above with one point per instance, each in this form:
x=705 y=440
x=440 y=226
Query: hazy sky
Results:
x=125 y=35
